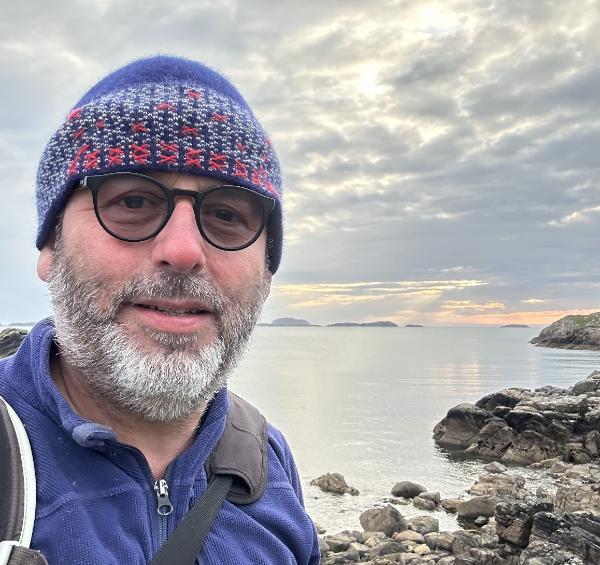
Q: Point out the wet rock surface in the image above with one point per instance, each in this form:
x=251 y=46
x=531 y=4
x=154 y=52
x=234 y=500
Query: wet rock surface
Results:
x=10 y=340
x=519 y=426
x=334 y=483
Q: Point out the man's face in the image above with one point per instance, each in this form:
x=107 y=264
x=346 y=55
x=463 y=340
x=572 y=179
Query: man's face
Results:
x=153 y=326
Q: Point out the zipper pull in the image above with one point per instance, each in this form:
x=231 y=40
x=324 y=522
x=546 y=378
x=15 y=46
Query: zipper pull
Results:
x=164 y=507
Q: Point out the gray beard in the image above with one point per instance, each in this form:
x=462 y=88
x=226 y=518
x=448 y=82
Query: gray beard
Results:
x=169 y=383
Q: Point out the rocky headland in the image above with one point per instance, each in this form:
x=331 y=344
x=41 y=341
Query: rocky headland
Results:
x=378 y=324
x=571 y=332
x=505 y=519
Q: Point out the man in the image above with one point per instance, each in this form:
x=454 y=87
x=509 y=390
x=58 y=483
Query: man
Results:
x=159 y=230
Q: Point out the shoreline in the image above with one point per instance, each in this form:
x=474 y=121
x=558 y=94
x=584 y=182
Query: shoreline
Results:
x=503 y=517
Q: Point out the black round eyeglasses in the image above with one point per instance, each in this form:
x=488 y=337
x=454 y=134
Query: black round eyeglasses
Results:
x=135 y=207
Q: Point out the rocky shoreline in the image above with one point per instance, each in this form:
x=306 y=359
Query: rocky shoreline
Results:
x=504 y=519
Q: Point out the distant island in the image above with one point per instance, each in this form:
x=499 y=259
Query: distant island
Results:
x=380 y=324
x=413 y=326
x=290 y=322
x=572 y=332
x=514 y=326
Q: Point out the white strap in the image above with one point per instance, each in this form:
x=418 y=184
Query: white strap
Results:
x=29 y=481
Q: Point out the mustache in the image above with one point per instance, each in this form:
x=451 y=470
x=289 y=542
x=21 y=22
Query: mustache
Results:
x=167 y=285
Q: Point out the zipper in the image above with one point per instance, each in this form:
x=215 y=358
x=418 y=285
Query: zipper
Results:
x=164 y=507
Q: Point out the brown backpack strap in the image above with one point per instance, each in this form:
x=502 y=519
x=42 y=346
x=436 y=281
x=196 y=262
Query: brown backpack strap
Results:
x=24 y=556
x=242 y=452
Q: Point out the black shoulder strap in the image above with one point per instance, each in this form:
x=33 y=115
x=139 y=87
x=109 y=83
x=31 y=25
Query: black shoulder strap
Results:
x=242 y=452
x=237 y=470
x=187 y=540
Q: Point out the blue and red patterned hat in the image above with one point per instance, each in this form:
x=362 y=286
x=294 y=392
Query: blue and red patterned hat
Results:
x=160 y=113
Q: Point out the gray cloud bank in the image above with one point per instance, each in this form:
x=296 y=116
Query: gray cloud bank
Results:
x=417 y=138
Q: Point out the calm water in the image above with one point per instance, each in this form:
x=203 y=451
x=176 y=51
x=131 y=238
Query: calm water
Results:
x=363 y=401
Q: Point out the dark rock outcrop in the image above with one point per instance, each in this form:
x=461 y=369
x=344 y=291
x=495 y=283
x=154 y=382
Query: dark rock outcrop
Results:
x=10 y=339
x=520 y=426
x=571 y=332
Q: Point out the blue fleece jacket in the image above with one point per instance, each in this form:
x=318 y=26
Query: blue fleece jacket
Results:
x=95 y=496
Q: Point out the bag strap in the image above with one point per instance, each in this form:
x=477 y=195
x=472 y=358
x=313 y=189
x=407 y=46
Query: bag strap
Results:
x=185 y=543
x=17 y=504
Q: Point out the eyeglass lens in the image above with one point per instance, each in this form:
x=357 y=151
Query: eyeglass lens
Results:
x=135 y=208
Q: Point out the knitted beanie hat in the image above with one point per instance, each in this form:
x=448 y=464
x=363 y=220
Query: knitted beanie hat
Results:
x=160 y=113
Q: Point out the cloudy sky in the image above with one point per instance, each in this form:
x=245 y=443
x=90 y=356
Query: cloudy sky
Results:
x=441 y=158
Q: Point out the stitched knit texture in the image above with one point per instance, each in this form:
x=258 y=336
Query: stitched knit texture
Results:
x=161 y=113
x=95 y=498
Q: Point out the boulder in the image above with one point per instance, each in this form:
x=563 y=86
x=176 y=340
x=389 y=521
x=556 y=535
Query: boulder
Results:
x=500 y=486
x=477 y=506
x=450 y=504
x=571 y=498
x=439 y=540
x=514 y=520
x=461 y=424
x=495 y=467
x=424 y=524
x=494 y=438
x=334 y=483
x=387 y=520
x=531 y=446
x=407 y=489
x=10 y=340
x=409 y=535
x=423 y=503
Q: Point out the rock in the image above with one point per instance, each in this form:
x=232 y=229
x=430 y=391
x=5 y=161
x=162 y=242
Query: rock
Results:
x=424 y=503
x=479 y=556
x=589 y=385
x=495 y=467
x=421 y=549
x=494 y=438
x=571 y=498
x=334 y=483
x=319 y=528
x=591 y=443
x=323 y=546
x=408 y=535
x=531 y=446
x=461 y=424
x=577 y=532
x=10 y=340
x=559 y=467
x=339 y=542
x=542 y=553
x=509 y=397
x=571 y=332
x=477 y=506
x=349 y=556
x=450 y=504
x=514 y=521
x=480 y=521
x=464 y=540
x=424 y=524
x=387 y=520
x=385 y=548
x=406 y=489
x=439 y=540
x=500 y=486
x=433 y=496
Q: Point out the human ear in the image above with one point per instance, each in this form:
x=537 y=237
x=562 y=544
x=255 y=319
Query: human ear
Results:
x=45 y=258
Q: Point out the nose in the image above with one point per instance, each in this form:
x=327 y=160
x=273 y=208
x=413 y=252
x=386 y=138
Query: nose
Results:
x=180 y=245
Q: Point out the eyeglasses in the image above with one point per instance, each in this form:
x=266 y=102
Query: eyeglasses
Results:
x=135 y=207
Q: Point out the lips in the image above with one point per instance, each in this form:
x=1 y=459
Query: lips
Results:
x=174 y=311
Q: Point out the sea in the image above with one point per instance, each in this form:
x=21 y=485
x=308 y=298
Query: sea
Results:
x=363 y=402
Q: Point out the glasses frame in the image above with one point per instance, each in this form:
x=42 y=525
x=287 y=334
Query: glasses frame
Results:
x=94 y=183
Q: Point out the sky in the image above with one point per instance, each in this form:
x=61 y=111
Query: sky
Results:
x=441 y=159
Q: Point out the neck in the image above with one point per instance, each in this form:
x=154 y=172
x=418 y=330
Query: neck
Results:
x=160 y=442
